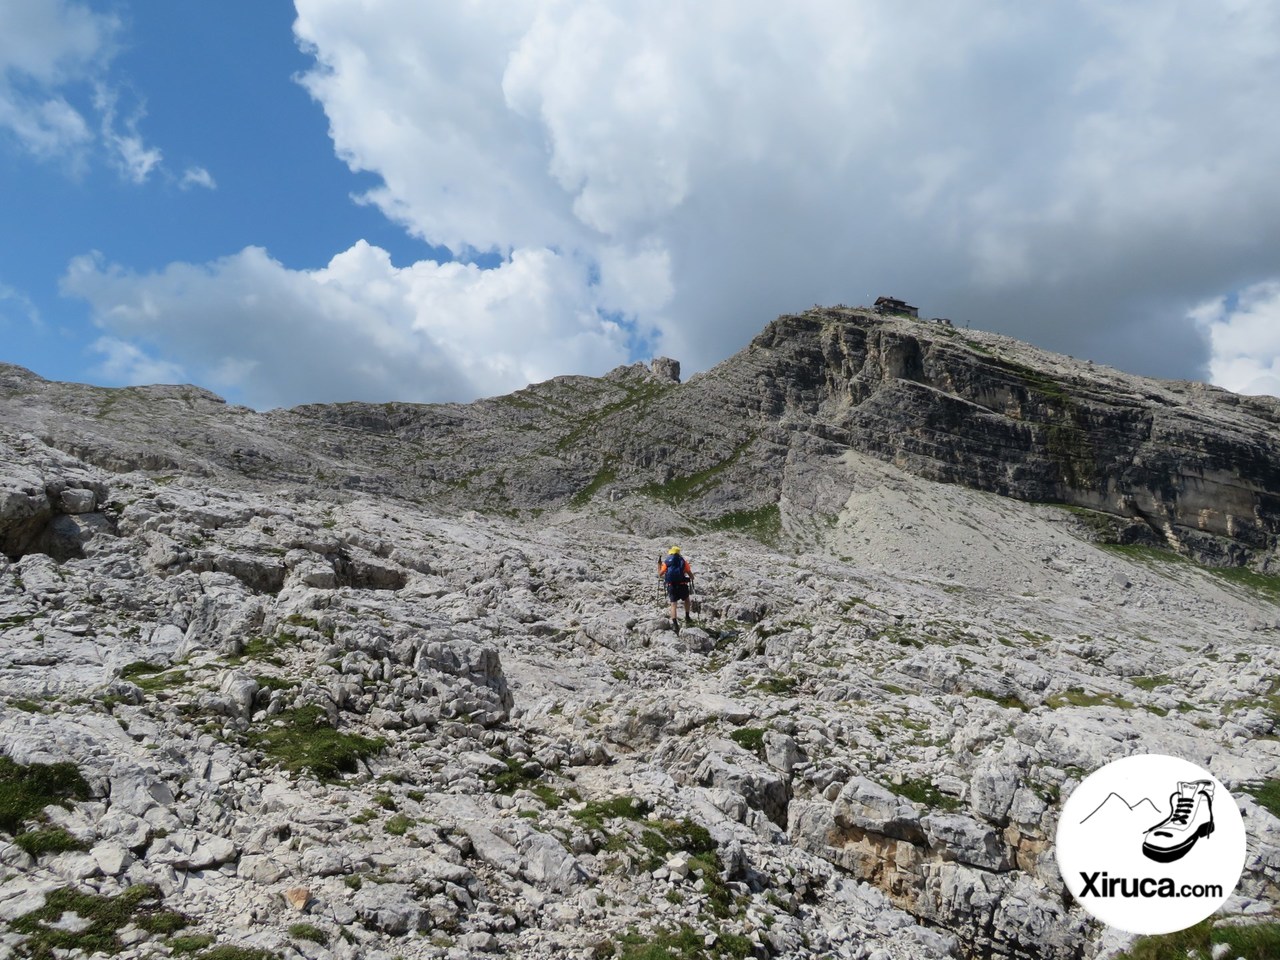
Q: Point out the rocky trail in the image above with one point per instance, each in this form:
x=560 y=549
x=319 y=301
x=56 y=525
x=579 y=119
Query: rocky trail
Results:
x=248 y=717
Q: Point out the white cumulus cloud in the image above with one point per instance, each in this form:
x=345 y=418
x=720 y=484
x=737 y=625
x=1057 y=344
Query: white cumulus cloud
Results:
x=414 y=93
x=1080 y=176
x=128 y=364
x=359 y=328
x=126 y=148
x=197 y=177
x=1245 y=335
x=676 y=175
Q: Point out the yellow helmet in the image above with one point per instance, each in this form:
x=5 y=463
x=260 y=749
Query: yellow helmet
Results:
x=673 y=550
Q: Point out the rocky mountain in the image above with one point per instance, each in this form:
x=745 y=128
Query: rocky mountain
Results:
x=1173 y=464
x=396 y=680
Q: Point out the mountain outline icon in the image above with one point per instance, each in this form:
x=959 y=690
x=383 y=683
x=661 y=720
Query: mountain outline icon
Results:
x=1141 y=807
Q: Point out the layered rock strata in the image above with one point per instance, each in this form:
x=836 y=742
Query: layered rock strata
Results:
x=756 y=440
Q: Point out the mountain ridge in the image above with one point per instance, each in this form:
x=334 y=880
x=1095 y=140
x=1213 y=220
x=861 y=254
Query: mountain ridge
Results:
x=400 y=678
x=1171 y=463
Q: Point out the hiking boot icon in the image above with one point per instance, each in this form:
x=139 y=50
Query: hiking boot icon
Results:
x=1190 y=818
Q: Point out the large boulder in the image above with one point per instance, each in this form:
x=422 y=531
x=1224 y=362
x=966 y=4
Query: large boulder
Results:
x=24 y=511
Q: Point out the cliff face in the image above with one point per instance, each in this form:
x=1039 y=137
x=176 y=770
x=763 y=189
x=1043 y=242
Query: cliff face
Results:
x=759 y=436
x=1185 y=463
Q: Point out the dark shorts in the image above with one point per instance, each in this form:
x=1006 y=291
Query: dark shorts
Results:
x=677 y=591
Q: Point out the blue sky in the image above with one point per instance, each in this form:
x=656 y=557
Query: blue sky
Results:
x=212 y=88
x=397 y=200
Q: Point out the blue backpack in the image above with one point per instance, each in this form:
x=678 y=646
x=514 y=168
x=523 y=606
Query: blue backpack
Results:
x=676 y=571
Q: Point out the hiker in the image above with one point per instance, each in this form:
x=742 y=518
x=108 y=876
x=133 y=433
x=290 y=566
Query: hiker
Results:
x=677 y=575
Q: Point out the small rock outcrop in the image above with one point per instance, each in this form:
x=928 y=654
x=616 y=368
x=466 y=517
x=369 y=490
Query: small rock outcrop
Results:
x=666 y=369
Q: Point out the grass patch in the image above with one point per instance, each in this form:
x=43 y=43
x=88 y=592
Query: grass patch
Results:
x=975 y=346
x=1263 y=585
x=151 y=678
x=302 y=740
x=267 y=682
x=1253 y=942
x=551 y=799
x=1035 y=639
x=902 y=636
x=1050 y=793
x=749 y=738
x=309 y=931
x=139 y=668
x=1009 y=702
x=513 y=778
x=1151 y=682
x=1038 y=381
x=237 y=953
x=1144 y=554
x=1076 y=697
x=257 y=648
x=26 y=790
x=603 y=478
x=189 y=944
x=398 y=825
x=39 y=843
x=778 y=684
x=763 y=523
x=662 y=838
x=1104 y=528
x=923 y=791
x=1268 y=585
x=596 y=812
x=593 y=419
x=683 y=944
x=679 y=489
x=1267 y=793
x=106 y=916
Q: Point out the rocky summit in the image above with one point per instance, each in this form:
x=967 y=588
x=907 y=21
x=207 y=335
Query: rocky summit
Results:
x=393 y=680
